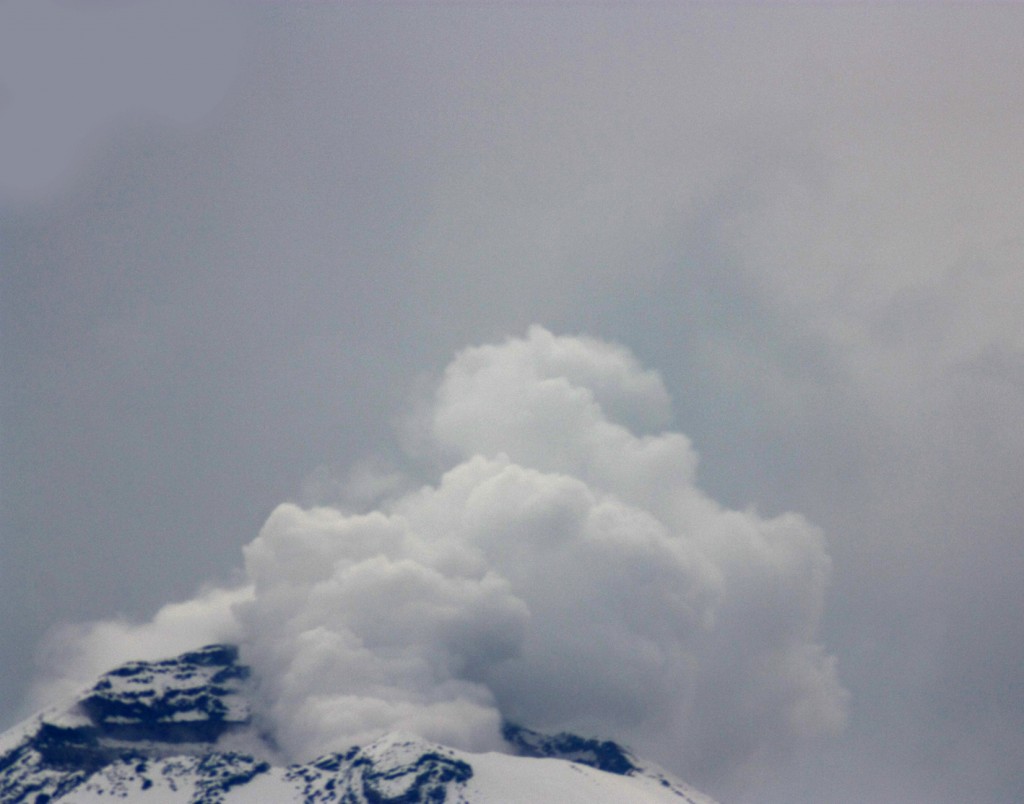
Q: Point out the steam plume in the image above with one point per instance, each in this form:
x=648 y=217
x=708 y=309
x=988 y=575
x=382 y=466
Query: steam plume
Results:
x=565 y=572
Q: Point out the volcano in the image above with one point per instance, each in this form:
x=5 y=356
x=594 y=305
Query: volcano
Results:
x=184 y=730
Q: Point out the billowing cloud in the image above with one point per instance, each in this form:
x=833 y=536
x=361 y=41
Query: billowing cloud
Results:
x=565 y=572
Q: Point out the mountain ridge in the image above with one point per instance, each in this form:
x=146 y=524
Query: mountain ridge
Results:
x=170 y=731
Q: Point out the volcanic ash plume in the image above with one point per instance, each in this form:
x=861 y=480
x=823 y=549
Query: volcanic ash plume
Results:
x=565 y=573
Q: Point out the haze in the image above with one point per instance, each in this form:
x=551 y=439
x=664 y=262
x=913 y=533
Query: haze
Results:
x=241 y=244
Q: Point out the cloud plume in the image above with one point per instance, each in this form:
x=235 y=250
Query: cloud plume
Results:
x=565 y=572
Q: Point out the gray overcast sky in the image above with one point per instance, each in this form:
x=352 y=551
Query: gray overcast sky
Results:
x=238 y=242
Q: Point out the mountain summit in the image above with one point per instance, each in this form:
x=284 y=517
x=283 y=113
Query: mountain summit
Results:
x=181 y=730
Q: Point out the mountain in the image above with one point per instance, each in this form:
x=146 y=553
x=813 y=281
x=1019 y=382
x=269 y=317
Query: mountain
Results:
x=181 y=730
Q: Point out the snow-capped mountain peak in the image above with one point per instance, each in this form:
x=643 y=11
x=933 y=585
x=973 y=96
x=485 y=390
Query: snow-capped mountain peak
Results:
x=165 y=732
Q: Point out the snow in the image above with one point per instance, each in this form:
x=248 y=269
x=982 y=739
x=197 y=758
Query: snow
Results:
x=123 y=740
x=518 y=780
x=497 y=779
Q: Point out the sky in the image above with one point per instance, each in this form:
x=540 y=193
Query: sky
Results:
x=680 y=343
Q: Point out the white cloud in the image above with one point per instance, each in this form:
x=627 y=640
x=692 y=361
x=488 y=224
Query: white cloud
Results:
x=565 y=572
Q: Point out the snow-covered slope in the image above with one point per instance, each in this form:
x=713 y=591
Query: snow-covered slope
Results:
x=180 y=731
